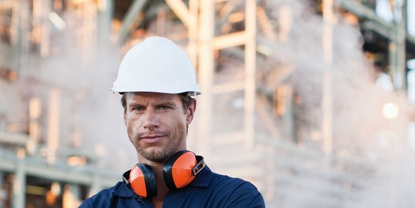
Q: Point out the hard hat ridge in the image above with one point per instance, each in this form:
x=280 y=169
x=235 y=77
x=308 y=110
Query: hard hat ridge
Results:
x=156 y=65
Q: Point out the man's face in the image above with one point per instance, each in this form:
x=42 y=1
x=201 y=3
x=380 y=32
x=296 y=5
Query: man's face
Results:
x=156 y=124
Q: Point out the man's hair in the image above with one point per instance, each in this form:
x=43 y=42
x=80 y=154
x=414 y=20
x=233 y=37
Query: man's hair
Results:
x=186 y=100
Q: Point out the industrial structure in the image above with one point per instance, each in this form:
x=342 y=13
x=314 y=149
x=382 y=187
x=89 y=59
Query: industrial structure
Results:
x=289 y=96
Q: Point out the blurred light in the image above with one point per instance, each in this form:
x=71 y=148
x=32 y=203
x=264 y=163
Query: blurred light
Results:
x=350 y=18
x=57 y=21
x=55 y=188
x=390 y=110
x=50 y=198
x=31 y=146
x=76 y=160
x=21 y=153
x=68 y=199
x=102 y=5
x=35 y=108
x=12 y=75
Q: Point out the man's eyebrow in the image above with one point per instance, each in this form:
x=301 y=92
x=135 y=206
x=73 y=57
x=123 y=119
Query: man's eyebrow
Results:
x=130 y=105
x=166 y=102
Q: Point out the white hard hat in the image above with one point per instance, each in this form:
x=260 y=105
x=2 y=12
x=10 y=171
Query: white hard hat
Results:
x=156 y=65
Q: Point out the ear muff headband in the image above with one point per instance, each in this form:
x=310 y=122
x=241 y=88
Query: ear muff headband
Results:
x=143 y=181
x=178 y=171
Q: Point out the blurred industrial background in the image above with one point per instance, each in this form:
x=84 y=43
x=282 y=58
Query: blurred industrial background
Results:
x=310 y=100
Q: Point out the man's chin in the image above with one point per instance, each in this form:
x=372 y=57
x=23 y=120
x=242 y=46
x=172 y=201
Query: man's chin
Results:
x=155 y=154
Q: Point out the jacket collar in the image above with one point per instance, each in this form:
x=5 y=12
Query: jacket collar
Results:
x=122 y=190
x=202 y=180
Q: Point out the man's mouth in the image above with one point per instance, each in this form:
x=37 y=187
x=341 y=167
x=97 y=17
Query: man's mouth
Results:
x=151 y=138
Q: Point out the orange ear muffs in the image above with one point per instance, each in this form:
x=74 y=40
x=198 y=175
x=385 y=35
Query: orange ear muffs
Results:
x=178 y=171
x=143 y=181
x=181 y=168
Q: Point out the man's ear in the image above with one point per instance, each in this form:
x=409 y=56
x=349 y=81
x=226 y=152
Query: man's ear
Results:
x=191 y=112
x=125 y=119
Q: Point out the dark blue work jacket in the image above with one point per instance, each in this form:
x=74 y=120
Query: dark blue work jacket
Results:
x=208 y=189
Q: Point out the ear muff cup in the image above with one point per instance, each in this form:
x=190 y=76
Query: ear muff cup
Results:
x=178 y=169
x=143 y=181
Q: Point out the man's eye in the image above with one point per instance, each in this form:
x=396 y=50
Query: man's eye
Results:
x=163 y=107
x=139 y=109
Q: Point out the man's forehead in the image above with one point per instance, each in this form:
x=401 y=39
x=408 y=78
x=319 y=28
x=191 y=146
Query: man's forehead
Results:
x=151 y=95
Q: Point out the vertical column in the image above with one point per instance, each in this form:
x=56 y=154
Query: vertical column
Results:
x=206 y=68
x=327 y=77
x=23 y=36
x=193 y=35
x=15 y=34
x=397 y=60
x=192 y=52
x=19 y=182
x=53 y=125
x=35 y=111
x=104 y=21
x=1 y=190
x=45 y=45
x=70 y=196
x=250 y=60
x=88 y=29
x=401 y=51
x=393 y=65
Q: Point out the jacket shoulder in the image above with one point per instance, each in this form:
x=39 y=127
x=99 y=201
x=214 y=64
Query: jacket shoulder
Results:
x=238 y=192
x=104 y=198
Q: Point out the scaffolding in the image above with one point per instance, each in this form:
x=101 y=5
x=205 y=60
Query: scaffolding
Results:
x=262 y=147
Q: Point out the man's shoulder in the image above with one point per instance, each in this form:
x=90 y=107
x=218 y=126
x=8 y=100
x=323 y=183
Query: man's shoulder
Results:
x=105 y=197
x=225 y=180
x=237 y=191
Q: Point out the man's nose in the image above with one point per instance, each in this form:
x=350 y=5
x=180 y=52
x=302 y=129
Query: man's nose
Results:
x=150 y=120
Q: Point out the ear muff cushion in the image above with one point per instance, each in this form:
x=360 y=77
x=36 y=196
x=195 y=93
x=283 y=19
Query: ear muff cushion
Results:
x=143 y=181
x=177 y=171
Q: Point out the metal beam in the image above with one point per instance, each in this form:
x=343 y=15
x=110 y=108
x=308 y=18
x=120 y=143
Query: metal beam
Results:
x=205 y=76
x=224 y=13
x=229 y=40
x=327 y=100
x=265 y=25
x=19 y=184
x=59 y=172
x=14 y=138
x=250 y=72
x=267 y=118
x=379 y=24
x=131 y=15
x=193 y=31
x=397 y=59
x=1 y=185
x=180 y=9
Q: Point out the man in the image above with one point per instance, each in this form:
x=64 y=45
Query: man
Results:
x=158 y=86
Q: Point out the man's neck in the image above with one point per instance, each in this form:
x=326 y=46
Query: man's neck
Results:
x=162 y=189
